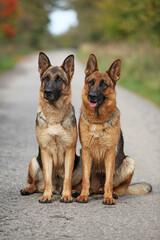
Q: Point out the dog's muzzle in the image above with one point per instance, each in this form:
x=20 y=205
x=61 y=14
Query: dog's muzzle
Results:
x=49 y=95
x=92 y=97
x=95 y=99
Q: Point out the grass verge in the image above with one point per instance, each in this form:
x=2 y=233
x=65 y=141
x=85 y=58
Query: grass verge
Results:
x=9 y=57
x=6 y=62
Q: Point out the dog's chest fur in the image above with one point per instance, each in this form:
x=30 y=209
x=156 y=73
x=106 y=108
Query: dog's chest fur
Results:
x=56 y=137
x=99 y=139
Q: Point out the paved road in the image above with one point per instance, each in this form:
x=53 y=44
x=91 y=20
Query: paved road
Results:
x=23 y=217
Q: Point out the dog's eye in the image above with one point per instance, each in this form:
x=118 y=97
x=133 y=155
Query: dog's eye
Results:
x=91 y=83
x=46 y=79
x=103 y=84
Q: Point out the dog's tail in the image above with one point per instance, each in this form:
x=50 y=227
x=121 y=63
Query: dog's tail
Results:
x=139 y=189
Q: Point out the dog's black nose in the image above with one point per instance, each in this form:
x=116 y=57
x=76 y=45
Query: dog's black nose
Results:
x=48 y=94
x=48 y=90
x=92 y=96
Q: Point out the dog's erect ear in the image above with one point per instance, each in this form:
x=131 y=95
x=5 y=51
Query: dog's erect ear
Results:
x=68 y=66
x=92 y=65
x=115 y=70
x=43 y=63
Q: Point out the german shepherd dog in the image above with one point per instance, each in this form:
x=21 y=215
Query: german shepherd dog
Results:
x=106 y=168
x=56 y=132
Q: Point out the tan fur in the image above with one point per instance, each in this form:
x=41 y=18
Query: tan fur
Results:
x=34 y=178
x=98 y=147
x=139 y=189
x=99 y=129
x=56 y=132
x=126 y=168
x=98 y=141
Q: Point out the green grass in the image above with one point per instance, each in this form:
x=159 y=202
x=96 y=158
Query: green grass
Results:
x=6 y=62
x=140 y=66
x=9 y=57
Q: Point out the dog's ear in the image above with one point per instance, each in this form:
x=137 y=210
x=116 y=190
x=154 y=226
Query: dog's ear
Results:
x=68 y=66
x=115 y=70
x=43 y=63
x=92 y=65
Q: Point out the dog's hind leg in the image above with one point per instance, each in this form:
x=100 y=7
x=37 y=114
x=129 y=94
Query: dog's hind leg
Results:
x=123 y=176
x=35 y=178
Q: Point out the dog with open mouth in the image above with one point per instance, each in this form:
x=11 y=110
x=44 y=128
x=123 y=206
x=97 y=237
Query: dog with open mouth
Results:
x=106 y=169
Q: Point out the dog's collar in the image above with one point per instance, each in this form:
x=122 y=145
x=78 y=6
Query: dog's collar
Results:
x=41 y=116
x=109 y=120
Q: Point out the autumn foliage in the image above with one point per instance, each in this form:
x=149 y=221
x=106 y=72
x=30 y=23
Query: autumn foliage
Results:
x=8 y=30
x=8 y=6
x=8 y=15
x=24 y=23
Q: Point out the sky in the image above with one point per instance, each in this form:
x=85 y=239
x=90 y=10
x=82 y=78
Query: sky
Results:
x=61 y=21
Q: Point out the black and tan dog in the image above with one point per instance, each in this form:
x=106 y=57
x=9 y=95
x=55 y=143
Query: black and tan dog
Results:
x=56 y=132
x=105 y=166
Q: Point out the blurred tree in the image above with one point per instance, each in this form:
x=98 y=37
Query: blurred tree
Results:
x=114 y=20
x=86 y=10
x=8 y=18
x=137 y=20
x=25 y=21
x=33 y=22
x=23 y=27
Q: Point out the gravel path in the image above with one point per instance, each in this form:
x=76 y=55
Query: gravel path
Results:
x=23 y=217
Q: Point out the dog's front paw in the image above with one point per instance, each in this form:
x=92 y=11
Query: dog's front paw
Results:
x=66 y=199
x=82 y=199
x=45 y=199
x=108 y=201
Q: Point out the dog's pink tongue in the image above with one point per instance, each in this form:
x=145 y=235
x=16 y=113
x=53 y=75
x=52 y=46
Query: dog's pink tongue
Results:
x=92 y=104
